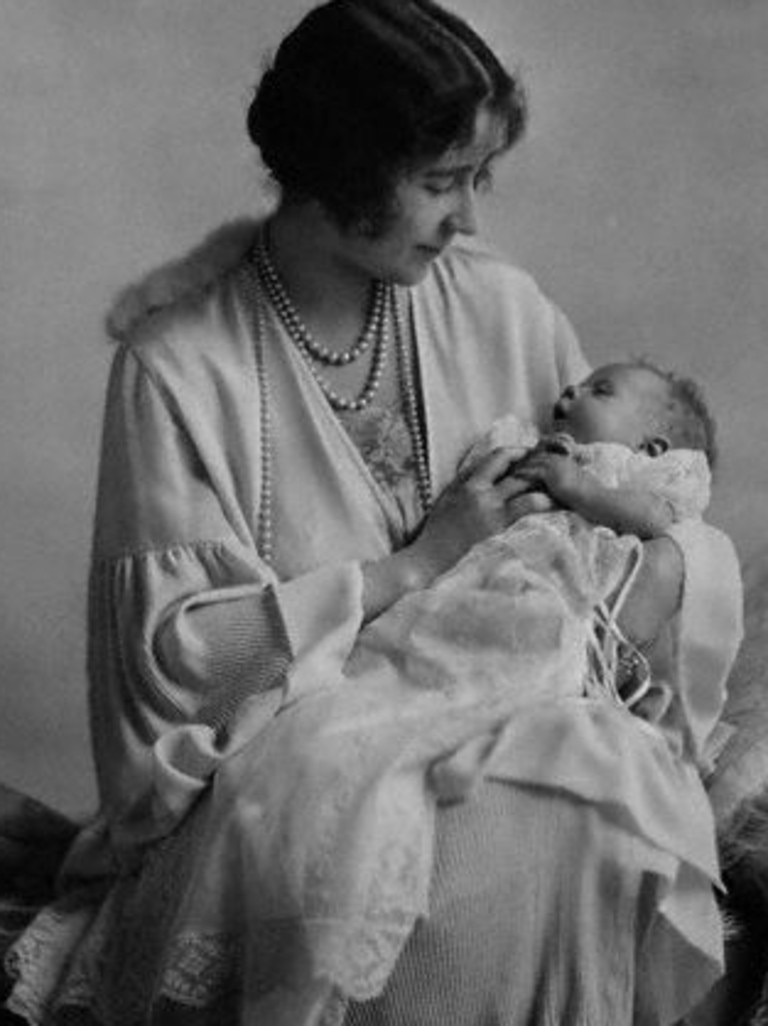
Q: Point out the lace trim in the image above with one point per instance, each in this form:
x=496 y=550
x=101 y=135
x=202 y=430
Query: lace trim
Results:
x=383 y=439
x=38 y=959
x=357 y=952
x=201 y=967
x=680 y=476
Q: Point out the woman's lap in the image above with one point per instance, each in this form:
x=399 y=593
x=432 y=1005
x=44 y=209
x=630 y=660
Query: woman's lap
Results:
x=538 y=909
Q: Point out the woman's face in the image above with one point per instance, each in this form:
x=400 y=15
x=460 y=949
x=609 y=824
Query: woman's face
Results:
x=431 y=205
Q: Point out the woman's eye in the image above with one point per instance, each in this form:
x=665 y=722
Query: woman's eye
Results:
x=439 y=187
x=483 y=180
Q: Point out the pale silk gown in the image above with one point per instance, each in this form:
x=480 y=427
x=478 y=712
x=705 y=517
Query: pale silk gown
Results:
x=548 y=901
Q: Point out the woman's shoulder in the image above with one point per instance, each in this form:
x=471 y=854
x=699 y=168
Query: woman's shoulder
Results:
x=186 y=302
x=474 y=285
x=181 y=287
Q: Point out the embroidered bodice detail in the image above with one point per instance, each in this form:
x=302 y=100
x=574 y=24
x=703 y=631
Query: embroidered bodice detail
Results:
x=381 y=434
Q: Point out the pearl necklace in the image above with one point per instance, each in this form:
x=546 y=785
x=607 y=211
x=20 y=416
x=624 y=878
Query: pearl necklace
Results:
x=374 y=332
x=264 y=528
x=264 y=534
x=411 y=409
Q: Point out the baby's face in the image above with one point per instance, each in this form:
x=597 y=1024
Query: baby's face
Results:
x=616 y=403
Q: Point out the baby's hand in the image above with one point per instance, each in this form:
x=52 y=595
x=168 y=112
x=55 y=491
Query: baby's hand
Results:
x=553 y=467
x=559 y=442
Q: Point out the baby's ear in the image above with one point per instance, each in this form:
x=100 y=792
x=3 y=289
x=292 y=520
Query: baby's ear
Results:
x=655 y=446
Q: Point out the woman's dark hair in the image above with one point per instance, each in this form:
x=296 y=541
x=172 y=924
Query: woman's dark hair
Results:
x=362 y=90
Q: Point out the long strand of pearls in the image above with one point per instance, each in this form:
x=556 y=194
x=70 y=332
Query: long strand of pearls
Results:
x=264 y=533
x=411 y=408
x=374 y=333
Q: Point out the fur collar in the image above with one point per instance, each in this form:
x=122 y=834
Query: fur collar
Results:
x=193 y=273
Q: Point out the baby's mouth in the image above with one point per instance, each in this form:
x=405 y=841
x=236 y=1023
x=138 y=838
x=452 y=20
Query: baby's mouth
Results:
x=558 y=412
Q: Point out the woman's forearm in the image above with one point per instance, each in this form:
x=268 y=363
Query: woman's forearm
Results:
x=625 y=510
x=656 y=594
x=472 y=508
x=387 y=580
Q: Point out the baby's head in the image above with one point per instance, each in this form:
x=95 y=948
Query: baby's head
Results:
x=639 y=405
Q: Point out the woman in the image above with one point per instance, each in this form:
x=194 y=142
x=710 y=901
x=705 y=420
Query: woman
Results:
x=278 y=467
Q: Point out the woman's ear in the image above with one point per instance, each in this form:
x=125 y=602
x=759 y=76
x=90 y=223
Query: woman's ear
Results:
x=655 y=446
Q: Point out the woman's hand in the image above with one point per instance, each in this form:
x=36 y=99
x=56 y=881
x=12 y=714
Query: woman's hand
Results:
x=477 y=504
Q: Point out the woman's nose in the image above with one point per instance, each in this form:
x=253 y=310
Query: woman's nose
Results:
x=464 y=216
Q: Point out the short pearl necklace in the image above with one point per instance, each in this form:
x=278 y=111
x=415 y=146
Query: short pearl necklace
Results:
x=265 y=531
x=374 y=332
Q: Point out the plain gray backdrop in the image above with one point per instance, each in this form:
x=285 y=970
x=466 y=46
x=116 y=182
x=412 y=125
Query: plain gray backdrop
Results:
x=639 y=199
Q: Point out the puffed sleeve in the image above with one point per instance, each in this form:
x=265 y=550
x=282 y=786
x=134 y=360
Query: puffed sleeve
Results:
x=188 y=626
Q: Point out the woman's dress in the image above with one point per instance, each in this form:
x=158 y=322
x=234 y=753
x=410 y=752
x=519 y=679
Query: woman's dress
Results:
x=548 y=900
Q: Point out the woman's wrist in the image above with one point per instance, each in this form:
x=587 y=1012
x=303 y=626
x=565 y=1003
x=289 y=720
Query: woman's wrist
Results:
x=386 y=580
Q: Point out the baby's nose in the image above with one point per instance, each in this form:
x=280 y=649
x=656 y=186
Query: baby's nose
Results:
x=569 y=393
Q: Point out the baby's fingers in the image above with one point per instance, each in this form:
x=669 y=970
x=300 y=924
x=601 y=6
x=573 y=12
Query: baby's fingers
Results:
x=537 y=468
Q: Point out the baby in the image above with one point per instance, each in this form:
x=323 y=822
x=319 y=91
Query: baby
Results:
x=632 y=448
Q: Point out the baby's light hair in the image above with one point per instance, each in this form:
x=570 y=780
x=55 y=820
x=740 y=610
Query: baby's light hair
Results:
x=686 y=419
